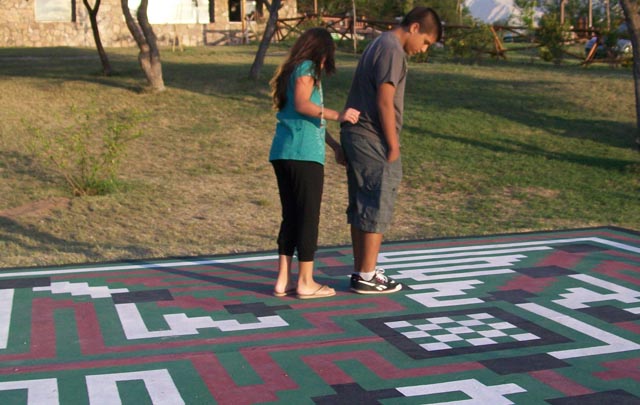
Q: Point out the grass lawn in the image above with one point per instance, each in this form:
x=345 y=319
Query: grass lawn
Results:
x=507 y=146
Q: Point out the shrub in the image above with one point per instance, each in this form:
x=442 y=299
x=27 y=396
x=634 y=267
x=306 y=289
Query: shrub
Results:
x=552 y=36
x=88 y=156
x=470 y=44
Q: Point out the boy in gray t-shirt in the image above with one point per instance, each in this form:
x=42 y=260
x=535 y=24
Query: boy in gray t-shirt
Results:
x=372 y=145
x=384 y=61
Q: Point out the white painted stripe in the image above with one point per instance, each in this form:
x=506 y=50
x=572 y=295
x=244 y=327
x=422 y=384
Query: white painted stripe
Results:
x=103 y=388
x=477 y=392
x=617 y=245
x=422 y=274
x=39 y=392
x=497 y=252
x=385 y=256
x=489 y=261
x=576 y=298
x=462 y=275
x=169 y=264
x=613 y=343
x=6 y=306
x=180 y=324
x=607 y=285
x=77 y=289
x=446 y=289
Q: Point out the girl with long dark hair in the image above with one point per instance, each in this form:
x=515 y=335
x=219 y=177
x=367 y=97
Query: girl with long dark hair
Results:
x=298 y=156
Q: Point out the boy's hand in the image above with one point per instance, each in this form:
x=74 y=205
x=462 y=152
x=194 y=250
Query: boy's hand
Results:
x=393 y=154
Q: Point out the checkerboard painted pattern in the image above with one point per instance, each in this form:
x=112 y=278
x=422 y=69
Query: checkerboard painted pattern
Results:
x=474 y=329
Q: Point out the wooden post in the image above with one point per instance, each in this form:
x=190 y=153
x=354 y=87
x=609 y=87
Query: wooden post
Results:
x=592 y=53
x=244 y=23
x=355 y=40
x=500 y=51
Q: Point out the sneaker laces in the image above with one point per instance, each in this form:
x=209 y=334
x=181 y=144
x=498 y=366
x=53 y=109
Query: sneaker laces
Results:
x=380 y=274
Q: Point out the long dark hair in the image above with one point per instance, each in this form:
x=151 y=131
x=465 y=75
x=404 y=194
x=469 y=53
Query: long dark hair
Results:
x=316 y=45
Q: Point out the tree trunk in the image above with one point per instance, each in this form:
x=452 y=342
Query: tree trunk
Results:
x=269 y=31
x=93 y=17
x=632 y=17
x=149 y=55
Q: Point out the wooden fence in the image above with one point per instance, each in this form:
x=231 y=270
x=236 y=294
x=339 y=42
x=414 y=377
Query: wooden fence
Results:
x=345 y=27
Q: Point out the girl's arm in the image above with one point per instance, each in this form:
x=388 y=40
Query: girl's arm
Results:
x=337 y=149
x=304 y=105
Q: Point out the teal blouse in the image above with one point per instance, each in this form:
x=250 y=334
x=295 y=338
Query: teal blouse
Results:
x=297 y=136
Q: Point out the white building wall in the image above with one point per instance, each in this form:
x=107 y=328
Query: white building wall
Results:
x=39 y=23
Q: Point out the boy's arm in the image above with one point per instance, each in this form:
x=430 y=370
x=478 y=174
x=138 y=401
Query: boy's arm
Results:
x=387 y=114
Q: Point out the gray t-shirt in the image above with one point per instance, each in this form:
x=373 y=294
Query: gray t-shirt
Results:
x=383 y=61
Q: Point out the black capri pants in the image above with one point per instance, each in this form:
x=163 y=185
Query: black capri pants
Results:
x=300 y=185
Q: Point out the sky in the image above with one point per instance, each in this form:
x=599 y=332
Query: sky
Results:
x=491 y=11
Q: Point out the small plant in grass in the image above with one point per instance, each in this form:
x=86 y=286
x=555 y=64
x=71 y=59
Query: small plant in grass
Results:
x=89 y=154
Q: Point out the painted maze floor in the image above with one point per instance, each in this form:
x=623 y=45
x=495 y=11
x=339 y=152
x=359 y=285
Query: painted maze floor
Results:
x=536 y=318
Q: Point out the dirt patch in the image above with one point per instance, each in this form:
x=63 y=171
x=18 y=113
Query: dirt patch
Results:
x=36 y=209
x=541 y=192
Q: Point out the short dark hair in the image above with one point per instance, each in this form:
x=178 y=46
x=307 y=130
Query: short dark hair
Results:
x=428 y=19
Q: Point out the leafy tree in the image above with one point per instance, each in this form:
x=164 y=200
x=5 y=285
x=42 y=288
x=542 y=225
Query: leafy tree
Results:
x=576 y=11
x=379 y=10
x=446 y=9
x=149 y=55
x=385 y=10
x=527 y=8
